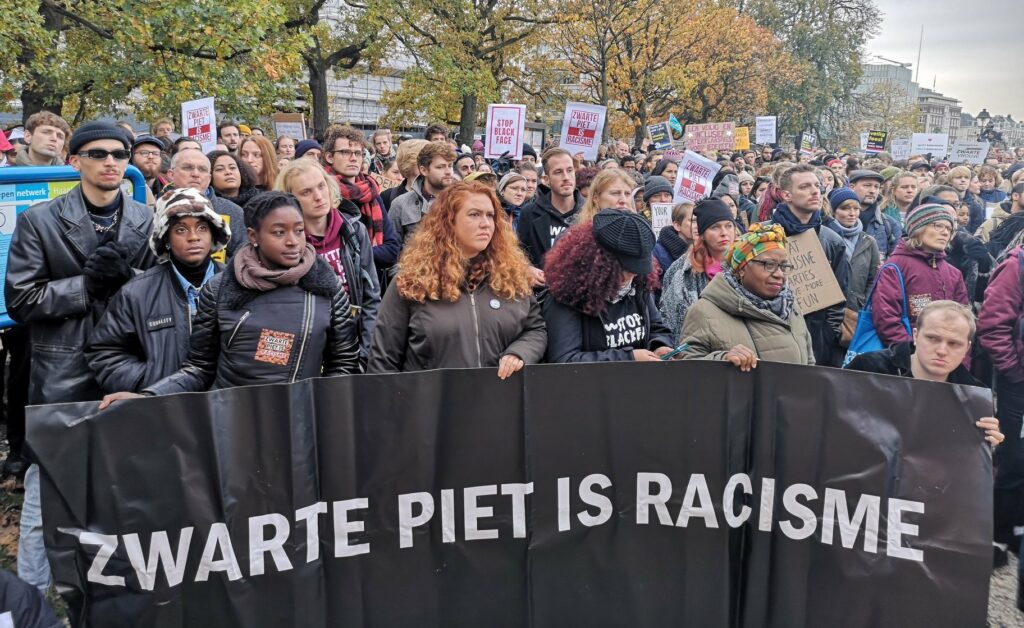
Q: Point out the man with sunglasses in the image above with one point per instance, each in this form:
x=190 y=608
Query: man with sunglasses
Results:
x=67 y=259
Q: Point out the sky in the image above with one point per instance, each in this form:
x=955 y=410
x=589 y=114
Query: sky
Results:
x=974 y=51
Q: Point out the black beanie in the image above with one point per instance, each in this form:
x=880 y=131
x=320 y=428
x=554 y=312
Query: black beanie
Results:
x=709 y=211
x=654 y=185
x=92 y=131
x=528 y=150
x=627 y=236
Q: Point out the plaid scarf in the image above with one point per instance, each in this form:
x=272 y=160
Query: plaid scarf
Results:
x=365 y=193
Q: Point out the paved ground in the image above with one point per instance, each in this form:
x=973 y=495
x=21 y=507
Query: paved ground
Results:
x=1002 y=598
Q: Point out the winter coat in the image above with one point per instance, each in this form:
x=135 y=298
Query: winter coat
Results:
x=680 y=290
x=927 y=276
x=896 y=361
x=886 y=231
x=984 y=232
x=1000 y=318
x=968 y=255
x=234 y=218
x=24 y=604
x=995 y=195
x=669 y=248
x=475 y=331
x=976 y=208
x=243 y=337
x=540 y=223
x=143 y=336
x=863 y=267
x=389 y=195
x=723 y=318
x=46 y=288
x=408 y=210
x=632 y=323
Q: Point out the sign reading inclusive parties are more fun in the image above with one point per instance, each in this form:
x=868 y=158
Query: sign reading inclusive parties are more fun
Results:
x=582 y=127
x=617 y=494
x=505 y=127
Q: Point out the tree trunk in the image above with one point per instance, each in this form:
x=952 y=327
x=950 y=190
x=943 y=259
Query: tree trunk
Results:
x=318 y=89
x=467 y=120
x=640 y=131
x=40 y=94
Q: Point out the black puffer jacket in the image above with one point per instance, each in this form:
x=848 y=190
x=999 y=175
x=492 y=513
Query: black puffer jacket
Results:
x=243 y=337
x=143 y=337
x=45 y=287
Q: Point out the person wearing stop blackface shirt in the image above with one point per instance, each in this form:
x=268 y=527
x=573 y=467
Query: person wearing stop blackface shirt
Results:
x=462 y=296
x=552 y=211
x=600 y=306
x=144 y=334
x=67 y=259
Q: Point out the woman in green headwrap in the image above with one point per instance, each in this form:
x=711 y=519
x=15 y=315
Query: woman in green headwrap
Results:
x=748 y=313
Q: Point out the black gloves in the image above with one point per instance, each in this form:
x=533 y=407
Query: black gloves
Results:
x=107 y=270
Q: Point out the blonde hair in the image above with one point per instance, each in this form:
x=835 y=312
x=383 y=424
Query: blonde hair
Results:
x=601 y=182
x=408 y=153
x=959 y=171
x=299 y=167
x=947 y=309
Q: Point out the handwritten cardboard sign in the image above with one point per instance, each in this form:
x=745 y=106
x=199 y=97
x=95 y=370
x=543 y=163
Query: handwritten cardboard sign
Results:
x=661 y=216
x=765 y=129
x=291 y=125
x=812 y=280
x=713 y=136
x=742 y=138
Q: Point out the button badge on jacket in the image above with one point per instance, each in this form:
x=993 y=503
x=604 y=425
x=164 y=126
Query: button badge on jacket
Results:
x=495 y=304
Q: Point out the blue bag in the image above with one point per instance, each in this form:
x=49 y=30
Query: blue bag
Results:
x=865 y=337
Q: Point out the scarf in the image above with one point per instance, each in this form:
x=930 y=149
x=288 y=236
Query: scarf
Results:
x=669 y=238
x=252 y=275
x=781 y=305
x=851 y=235
x=791 y=224
x=364 y=192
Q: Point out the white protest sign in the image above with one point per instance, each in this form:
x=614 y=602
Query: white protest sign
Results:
x=291 y=125
x=582 y=128
x=693 y=182
x=199 y=121
x=505 y=127
x=970 y=151
x=7 y=620
x=935 y=143
x=864 y=142
x=765 y=133
x=812 y=280
x=661 y=216
x=900 y=149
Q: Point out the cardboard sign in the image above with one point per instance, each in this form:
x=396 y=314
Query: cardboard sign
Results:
x=876 y=142
x=900 y=150
x=935 y=143
x=742 y=138
x=812 y=280
x=765 y=129
x=807 y=143
x=292 y=125
x=969 y=151
x=714 y=136
x=582 y=128
x=694 y=179
x=661 y=216
x=661 y=135
x=505 y=127
x=199 y=122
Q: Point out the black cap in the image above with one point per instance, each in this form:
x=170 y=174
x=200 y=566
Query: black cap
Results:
x=149 y=139
x=627 y=236
x=710 y=211
x=866 y=174
x=92 y=131
x=920 y=165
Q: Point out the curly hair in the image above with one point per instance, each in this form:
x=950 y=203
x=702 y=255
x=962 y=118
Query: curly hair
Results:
x=246 y=176
x=582 y=275
x=433 y=268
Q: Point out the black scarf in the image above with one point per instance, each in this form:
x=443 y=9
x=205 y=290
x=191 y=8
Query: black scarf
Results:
x=791 y=224
x=669 y=238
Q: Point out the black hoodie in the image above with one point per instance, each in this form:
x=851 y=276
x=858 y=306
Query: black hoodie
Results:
x=540 y=223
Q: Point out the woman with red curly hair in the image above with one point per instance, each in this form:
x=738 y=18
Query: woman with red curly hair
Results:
x=462 y=296
x=600 y=306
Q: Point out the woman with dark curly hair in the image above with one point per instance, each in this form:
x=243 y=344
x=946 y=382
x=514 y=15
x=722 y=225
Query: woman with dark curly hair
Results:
x=231 y=178
x=462 y=296
x=600 y=306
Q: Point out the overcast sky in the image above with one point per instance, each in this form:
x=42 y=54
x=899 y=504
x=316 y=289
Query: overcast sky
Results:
x=973 y=50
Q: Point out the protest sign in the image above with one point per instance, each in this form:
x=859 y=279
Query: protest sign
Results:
x=807 y=143
x=876 y=141
x=292 y=125
x=661 y=135
x=742 y=138
x=673 y=155
x=713 y=136
x=582 y=128
x=900 y=149
x=969 y=151
x=199 y=121
x=526 y=502
x=693 y=181
x=924 y=143
x=765 y=129
x=661 y=216
x=505 y=127
x=812 y=279
x=864 y=142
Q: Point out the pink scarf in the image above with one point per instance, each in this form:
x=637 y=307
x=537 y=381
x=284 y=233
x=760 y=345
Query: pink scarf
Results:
x=252 y=274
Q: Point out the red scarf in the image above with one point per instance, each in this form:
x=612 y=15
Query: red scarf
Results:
x=365 y=193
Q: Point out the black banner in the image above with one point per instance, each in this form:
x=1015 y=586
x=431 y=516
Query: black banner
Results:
x=685 y=493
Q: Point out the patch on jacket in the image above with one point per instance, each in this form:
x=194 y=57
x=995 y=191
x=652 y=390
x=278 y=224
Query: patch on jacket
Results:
x=916 y=303
x=274 y=347
x=160 y=322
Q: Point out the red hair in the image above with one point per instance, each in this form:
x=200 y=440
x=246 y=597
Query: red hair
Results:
x=582 y=275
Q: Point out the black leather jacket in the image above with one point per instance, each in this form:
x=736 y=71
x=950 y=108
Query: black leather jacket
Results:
x=244 y=337
x=45 y=288
x=143 y=336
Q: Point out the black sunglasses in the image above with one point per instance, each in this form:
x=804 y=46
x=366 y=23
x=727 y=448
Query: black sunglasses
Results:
x=121 y=154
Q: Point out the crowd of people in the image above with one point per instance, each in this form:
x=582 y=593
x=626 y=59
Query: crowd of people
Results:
x=273 y=261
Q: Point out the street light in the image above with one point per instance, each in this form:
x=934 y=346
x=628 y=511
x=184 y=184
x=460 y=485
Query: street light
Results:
x=983 y=118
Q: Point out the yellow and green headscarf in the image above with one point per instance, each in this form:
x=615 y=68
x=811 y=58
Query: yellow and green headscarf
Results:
x=760 y=237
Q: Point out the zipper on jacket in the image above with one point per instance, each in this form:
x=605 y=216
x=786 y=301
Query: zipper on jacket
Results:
x=306 y=323
x=476 y=329
x=238 y=326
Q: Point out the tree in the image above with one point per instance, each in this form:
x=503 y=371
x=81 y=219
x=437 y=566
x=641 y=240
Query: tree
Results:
x=884 y=107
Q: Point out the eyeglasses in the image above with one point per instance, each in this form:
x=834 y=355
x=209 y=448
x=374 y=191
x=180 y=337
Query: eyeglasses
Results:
x=121 y=154
x=148 y=153
x=193 y=168
x=347 y=154
x=770 y=266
